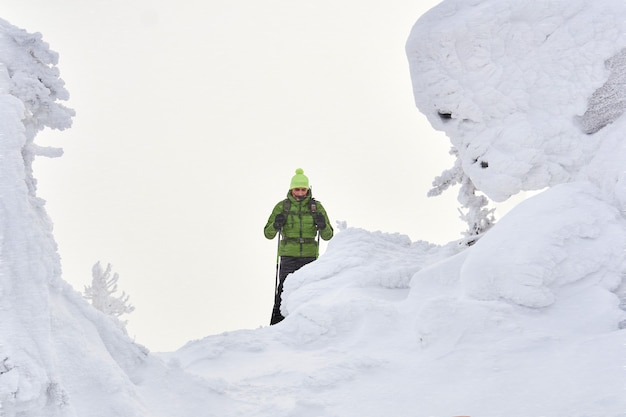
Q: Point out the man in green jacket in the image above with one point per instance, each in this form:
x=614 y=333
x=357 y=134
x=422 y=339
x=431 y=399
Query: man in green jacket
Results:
x=297 y=220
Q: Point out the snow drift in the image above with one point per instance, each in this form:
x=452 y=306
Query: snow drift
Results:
x=523 y=323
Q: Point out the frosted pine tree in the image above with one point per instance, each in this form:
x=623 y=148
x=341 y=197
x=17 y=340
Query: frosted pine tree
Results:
x=103 y=286
x=479 y=219
x=35 y=81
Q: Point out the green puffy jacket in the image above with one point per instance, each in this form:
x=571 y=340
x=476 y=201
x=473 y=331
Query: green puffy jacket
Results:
x=299 y=231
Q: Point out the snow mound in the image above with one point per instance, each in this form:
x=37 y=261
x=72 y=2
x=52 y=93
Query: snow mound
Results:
x=551 y=252
x=354 y=345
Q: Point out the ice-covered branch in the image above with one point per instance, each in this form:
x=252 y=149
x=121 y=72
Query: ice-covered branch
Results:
x=100 y=292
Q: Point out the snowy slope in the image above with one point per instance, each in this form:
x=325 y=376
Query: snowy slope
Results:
x=526 y=322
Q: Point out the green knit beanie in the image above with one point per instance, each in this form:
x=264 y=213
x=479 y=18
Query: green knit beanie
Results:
x=299 y=180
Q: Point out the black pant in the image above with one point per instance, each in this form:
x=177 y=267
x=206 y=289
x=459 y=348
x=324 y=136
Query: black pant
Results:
x=288 y=264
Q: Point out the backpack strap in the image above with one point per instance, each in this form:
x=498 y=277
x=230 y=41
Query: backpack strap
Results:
x=286 y=206
x=313 y=208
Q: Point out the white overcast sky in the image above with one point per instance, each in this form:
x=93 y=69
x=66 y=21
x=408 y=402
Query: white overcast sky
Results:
x=192 y=116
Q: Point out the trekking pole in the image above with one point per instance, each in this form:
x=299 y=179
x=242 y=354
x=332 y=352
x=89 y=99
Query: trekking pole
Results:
x=277 y=263
x=317 y=254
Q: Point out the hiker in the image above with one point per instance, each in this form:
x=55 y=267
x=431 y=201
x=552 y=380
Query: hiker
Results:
x=297 y=220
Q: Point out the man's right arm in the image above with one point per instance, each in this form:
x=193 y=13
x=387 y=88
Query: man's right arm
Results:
x=270 y=230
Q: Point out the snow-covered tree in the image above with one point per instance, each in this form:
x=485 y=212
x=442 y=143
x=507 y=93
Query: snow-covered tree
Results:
x=479 y=219
x=103 y=286
x=33 y=78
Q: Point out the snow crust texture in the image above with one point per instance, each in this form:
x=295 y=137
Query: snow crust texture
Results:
x=529 y=321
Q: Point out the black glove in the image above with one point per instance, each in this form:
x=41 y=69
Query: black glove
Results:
x=279 y=221
x=320 y=221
